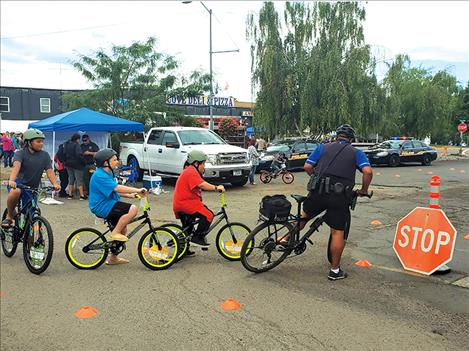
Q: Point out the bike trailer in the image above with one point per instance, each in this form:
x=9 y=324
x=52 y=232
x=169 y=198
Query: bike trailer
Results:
x=275 y=208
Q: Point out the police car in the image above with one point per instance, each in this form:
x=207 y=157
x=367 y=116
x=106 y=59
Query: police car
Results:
x=297 y=152
x=396 y=151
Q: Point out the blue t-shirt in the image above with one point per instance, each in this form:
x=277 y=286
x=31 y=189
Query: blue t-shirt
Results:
x=102 y=194
x=360 y=158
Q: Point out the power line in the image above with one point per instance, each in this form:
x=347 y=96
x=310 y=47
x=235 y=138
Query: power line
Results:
x=60 y=31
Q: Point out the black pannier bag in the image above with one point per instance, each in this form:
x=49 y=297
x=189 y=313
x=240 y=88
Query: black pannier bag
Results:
x=275 y=208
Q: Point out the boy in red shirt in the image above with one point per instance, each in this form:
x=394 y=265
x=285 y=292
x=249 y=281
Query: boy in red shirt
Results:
x=187 y=198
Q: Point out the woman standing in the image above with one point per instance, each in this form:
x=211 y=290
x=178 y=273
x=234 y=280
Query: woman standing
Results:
x=254 y=159
x=8 y=150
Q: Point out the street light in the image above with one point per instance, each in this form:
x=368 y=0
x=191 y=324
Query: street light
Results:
x=210 y=99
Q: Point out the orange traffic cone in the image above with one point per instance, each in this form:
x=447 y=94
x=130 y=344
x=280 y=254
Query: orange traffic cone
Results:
x=363 y=263
x=376 y=222
x=378 y=173
x=2 y=293
x=231 y=305
x=466 y=236
x=86 y=312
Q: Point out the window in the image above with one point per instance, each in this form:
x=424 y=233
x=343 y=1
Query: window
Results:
x=4 y=104
x=155 y=137
x=169 y=137
x=45 y=105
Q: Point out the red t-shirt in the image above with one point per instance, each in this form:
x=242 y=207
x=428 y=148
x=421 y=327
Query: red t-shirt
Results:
x=187 y=196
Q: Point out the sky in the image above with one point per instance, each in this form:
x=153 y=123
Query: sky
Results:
x=40 y=39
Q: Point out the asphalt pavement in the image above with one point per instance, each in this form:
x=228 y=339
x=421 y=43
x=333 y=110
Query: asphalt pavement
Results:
x=293 y=307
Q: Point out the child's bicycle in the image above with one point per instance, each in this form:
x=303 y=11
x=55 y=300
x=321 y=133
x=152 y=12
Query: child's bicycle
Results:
x=229 y=238
x=31 y=229
x=88 y=248
x=287 y=176
x=272 y=242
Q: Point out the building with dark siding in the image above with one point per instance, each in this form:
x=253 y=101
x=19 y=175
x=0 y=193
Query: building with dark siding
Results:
x=17 y=103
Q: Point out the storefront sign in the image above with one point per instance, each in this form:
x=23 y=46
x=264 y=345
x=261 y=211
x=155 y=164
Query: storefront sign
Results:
x=201 y=101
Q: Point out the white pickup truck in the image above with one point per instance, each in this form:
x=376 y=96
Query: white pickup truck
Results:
x=165 y=150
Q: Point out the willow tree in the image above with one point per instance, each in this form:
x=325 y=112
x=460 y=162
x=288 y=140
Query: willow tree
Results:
x=314 y=69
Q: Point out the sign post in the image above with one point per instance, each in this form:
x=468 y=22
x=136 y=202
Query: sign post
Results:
x=462 y=128
x=424 y=240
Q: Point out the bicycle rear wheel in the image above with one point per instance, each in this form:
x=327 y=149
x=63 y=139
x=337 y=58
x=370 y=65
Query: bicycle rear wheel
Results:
x=288 y=177
x=265 y=177
x=38 y=245
x=8 y=238
x=262 y=251
x=158 y=248
x=86 y=248
x=182 y=238
x=230 y=239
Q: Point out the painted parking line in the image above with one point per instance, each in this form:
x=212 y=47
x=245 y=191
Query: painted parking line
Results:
x=464 y=282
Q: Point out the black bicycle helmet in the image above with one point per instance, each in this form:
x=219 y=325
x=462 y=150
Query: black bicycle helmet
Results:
x=346 y=130
x=103 y=155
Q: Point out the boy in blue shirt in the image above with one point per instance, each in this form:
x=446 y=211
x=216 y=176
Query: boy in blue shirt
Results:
x=104 y=198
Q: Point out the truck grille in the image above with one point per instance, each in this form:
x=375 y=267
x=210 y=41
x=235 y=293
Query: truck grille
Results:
x=231 y=158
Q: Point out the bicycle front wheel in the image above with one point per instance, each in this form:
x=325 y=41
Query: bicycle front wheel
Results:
x=158 y=248
x=288 y=177
x=267 y=246
x=8 y=238
x=86 y=248
x=265 y=177
x=230 y=239
x=38 y=245
x=182 y=238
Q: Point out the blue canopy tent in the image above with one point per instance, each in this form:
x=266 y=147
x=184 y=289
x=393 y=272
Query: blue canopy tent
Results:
x=59 y=128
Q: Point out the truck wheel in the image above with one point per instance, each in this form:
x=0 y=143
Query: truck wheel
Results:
x=132 y=161
x=241 y=182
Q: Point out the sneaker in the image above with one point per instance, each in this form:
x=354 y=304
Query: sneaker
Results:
x=83 y=198
x=70 y=197
x=337 y=276
x=199 y=241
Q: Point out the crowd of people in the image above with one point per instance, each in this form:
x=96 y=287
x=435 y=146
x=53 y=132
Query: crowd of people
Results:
x=10 y=142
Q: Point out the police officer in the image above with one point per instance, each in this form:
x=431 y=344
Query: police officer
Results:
x=332 y=169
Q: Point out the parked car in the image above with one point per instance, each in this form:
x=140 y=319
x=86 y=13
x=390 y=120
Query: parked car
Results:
x=297 y=152
x=165 y=150
x=395 y=152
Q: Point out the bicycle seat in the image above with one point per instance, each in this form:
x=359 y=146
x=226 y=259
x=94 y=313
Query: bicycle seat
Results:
x=299 y=198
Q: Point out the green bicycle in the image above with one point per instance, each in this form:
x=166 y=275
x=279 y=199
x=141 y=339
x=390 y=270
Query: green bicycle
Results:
x=229 y=240
x=88 y=248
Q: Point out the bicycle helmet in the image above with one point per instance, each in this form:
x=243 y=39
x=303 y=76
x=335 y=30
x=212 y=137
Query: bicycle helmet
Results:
x=103 y=155
x=196 y=156
x=33 y=133
x=346 y=130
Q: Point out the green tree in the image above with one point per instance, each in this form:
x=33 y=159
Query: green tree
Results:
x=134 y=82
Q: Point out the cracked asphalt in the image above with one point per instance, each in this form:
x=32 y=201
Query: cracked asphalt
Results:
x=293 y=307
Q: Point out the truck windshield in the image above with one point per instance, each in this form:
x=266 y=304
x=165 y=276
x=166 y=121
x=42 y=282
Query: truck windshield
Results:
x=199 y=137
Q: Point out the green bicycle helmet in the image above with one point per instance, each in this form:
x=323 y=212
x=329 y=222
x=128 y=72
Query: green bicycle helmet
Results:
x=103 y=155
x=33 y=133
x=196 y=156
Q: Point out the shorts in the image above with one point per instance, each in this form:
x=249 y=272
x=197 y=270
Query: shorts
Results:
x=336 y=206
x=120 y=209
x=75 y=175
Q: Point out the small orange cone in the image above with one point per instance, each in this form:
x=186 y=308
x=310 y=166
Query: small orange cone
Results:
x=378 y=173
x=363 y=263
x=397 y=175
x=466 y=236
x=376 y=222
x=86 y=312
x=452 y=169
x=462 y=171
x=430 y=172
x=419 y=170
x=231 y=305
x=2 y=293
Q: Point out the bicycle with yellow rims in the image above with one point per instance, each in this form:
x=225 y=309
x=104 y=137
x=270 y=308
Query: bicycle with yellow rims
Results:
x=88 y=248
x=229 y=239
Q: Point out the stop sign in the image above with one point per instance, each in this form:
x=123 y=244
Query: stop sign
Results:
x=462 y=127
x=424 y=240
